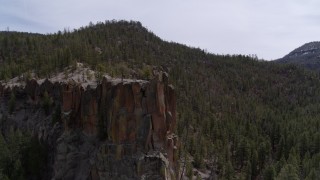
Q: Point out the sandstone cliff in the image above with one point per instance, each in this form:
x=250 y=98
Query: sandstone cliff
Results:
x=114 y=129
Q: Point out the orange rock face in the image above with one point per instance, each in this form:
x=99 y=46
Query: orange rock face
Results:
x=66 y=98
x=136 y=114
x=133 y=119
x=171 y=106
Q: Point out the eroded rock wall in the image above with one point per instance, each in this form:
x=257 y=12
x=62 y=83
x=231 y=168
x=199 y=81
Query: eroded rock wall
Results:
x=116 y=129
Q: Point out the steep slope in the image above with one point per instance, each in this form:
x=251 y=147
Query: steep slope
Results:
x=308 y=55
x=237 y=117
x=115 y=129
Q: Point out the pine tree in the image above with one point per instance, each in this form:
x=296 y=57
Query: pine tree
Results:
x=288 y=172
x=3 y=176
x=17 y=171
x=229 y=170
x=269 y=173
x=294 y=159
x=4 y=154
x=254 y=163
x=248 y=171
x=46 y=103
x=314 y=174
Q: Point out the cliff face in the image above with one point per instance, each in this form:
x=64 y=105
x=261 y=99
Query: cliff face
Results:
x=115 y=129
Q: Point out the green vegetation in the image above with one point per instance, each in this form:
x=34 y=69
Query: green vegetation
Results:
x=46 y=103
x=21 y=156
x=240 y=117
x=56 y=116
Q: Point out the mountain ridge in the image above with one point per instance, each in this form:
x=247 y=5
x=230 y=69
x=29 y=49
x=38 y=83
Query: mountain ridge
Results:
x=307 y=55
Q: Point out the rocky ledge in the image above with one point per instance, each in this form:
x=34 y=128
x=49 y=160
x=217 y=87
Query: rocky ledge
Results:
x=111 y=129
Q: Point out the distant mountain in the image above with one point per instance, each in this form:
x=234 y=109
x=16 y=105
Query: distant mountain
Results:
x=307 y=55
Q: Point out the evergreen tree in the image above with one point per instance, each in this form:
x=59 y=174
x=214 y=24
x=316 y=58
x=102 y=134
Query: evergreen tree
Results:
x=4 y=154
x=46 y=103
x=288 y=172
x=269 y=173
x=314 y=174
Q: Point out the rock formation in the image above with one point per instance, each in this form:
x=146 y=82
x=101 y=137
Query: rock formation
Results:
x=114 y=129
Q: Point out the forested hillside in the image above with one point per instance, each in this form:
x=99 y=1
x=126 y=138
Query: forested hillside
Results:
x=238 y=117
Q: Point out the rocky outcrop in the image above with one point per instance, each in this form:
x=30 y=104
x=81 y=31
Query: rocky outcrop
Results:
x=115 y=129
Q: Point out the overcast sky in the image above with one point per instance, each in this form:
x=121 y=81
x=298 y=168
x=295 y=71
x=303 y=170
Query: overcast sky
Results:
x=268 y=28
